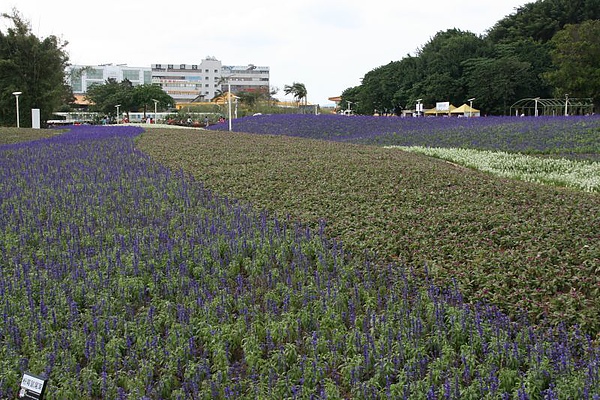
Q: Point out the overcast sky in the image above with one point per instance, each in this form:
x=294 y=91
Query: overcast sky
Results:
x=328 y=45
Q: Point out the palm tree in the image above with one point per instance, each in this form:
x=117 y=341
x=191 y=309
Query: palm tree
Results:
x=298 y=90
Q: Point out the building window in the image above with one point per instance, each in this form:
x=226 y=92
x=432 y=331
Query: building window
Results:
x=181 y=66
x=206 y=70
x=94 y=73
x=76 y=84
x=169 y=66
x=194 y=67
x=131 y=75
x=158 y=66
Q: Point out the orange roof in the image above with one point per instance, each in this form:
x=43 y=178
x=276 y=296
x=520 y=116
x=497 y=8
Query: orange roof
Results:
x=81 y=100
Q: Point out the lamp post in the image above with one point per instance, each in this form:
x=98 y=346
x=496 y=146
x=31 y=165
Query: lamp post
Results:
x=419 y=107
x=155 y=103
x=17 y=94
x=566 y=105
x=249 y=68
x=229 y=102
x=117 y=107
x=536 y=106
x=471 y=106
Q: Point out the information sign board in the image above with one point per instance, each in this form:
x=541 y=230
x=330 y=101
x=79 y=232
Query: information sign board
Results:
x=32 y=387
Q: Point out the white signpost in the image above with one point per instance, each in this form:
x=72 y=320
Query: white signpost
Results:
x=35 y=118
x=32 y=387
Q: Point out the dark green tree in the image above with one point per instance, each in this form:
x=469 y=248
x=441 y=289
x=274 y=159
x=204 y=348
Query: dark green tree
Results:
x=440 y=65
x=252 y=97
x=497 y=82
x=107 y=96
x=143 y=96
x=31 y=65
x=541 y=20
x=576 y=56
x=351 y=96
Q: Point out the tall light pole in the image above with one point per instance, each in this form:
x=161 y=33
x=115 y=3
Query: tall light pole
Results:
x=249 y=68
x=17 y=94
x=155 y=103
x=229 y=102
x=471 y=106
x=536 y=105
x=117 y=107
x=566 y=105
x=419 y=107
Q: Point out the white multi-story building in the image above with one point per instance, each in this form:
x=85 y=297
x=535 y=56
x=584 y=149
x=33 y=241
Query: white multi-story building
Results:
x=81 y=77
x=189 y=82
x=245 y=78
x=209 y=78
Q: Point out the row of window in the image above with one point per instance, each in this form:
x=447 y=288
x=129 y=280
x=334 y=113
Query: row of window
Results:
x=170 y=85
x=182 y=66
x=183 y=78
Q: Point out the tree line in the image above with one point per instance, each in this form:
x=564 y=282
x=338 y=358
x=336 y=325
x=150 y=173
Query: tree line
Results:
x=33 y=66
x=545 y=49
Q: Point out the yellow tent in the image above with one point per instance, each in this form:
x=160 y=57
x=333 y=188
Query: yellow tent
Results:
x=466 y=111
x=436 y=112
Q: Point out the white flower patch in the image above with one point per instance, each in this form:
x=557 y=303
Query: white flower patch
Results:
x=581 y=175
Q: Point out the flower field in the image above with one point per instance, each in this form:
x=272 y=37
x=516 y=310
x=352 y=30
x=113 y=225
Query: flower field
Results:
x=125 y=278
x=575 y=136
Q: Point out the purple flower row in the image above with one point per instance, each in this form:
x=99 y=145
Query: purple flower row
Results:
x=564 y=135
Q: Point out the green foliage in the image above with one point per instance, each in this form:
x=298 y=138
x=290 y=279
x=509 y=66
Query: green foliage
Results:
x=497 y=82
x=31 y=65
x=541 y=20
x=144 y=96
x=575 y=55
x=130 y=98
x=298 y=90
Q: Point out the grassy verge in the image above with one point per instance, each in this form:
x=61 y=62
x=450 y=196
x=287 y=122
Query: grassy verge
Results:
x=17 y=135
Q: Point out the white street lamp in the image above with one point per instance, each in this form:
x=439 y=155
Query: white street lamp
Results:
x=566 y=105
x=419 y=107
x=471 y=106
x=155 y=117
x=229 y=101
x=349 y=109
x=117 y=107
x=17 y=94
x=250 y=67
x=536 y=105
